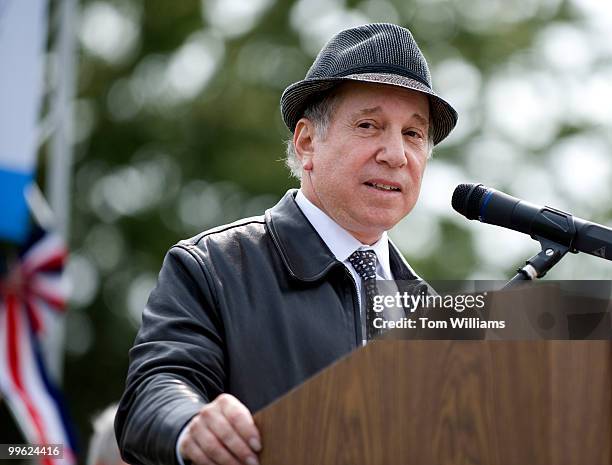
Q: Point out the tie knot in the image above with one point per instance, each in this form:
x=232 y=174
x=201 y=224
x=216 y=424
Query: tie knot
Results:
x=364 y=262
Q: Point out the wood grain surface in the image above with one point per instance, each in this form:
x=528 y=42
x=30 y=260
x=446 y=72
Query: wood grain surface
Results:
x=449 y=402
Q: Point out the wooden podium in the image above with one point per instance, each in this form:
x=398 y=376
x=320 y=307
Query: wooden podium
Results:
x=449 y=402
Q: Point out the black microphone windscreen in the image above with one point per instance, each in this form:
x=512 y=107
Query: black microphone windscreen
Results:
x=466 y=199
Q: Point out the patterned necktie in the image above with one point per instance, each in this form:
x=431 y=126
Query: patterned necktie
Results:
x=364 y=262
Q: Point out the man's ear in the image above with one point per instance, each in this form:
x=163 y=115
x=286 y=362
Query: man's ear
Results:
x=303 y=140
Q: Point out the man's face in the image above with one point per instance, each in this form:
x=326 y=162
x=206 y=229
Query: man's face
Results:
x=366 y=172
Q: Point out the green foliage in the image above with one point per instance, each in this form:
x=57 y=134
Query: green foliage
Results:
x=157 y=161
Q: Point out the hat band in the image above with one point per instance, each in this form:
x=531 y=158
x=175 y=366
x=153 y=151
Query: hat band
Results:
x=383 y=68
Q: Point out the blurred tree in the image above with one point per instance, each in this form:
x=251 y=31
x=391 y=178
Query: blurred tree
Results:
x=178 y=130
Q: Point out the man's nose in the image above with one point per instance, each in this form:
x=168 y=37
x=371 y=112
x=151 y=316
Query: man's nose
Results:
x=393 y=151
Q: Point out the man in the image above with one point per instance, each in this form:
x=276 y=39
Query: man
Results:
x=244 y=312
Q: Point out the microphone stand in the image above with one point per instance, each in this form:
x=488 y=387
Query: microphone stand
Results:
x=538 y=265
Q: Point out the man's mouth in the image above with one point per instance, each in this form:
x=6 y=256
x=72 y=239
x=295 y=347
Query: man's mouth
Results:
x=383 y=187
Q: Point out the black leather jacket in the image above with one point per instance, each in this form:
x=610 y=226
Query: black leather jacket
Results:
x=252 y=308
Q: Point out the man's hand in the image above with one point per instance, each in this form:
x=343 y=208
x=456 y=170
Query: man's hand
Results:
x=222 y=433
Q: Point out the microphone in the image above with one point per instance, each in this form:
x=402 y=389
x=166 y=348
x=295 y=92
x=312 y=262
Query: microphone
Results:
x=478 y=202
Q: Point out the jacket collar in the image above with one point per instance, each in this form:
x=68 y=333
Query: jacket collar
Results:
x=399 y=267
x=303 y=251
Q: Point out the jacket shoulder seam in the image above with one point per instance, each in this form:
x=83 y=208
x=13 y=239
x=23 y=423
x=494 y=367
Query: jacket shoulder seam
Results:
x=220 y=229
x=192 y=250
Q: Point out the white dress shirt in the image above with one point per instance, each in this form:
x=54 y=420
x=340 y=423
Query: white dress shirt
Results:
x=341 y=243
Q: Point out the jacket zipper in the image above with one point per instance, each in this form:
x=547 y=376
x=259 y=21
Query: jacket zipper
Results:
x=356 y=314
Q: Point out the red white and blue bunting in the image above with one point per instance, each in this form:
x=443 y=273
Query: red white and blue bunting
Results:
x=29 y=292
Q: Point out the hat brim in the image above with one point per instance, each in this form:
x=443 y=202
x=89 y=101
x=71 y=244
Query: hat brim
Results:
x=296 y=97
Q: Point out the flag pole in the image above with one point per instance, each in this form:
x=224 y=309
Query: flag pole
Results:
x=61 y=148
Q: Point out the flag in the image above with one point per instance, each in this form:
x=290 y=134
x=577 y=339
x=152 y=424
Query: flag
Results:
x=31 y=288
x=23 y=38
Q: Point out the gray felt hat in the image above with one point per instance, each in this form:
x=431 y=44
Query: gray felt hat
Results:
x=380 y=53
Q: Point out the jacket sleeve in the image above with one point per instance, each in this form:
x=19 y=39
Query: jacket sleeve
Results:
x=177 y=363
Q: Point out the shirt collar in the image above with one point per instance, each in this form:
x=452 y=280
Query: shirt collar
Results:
x=341 y=243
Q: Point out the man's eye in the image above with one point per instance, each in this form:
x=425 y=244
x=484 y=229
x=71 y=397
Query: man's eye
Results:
x=412 y=134
x=366 y=125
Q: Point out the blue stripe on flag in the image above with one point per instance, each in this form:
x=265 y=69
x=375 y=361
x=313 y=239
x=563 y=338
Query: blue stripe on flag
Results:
x=59 y=406
x=14 y=214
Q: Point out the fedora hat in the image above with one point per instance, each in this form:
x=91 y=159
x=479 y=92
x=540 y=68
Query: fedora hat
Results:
x=380 y=53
